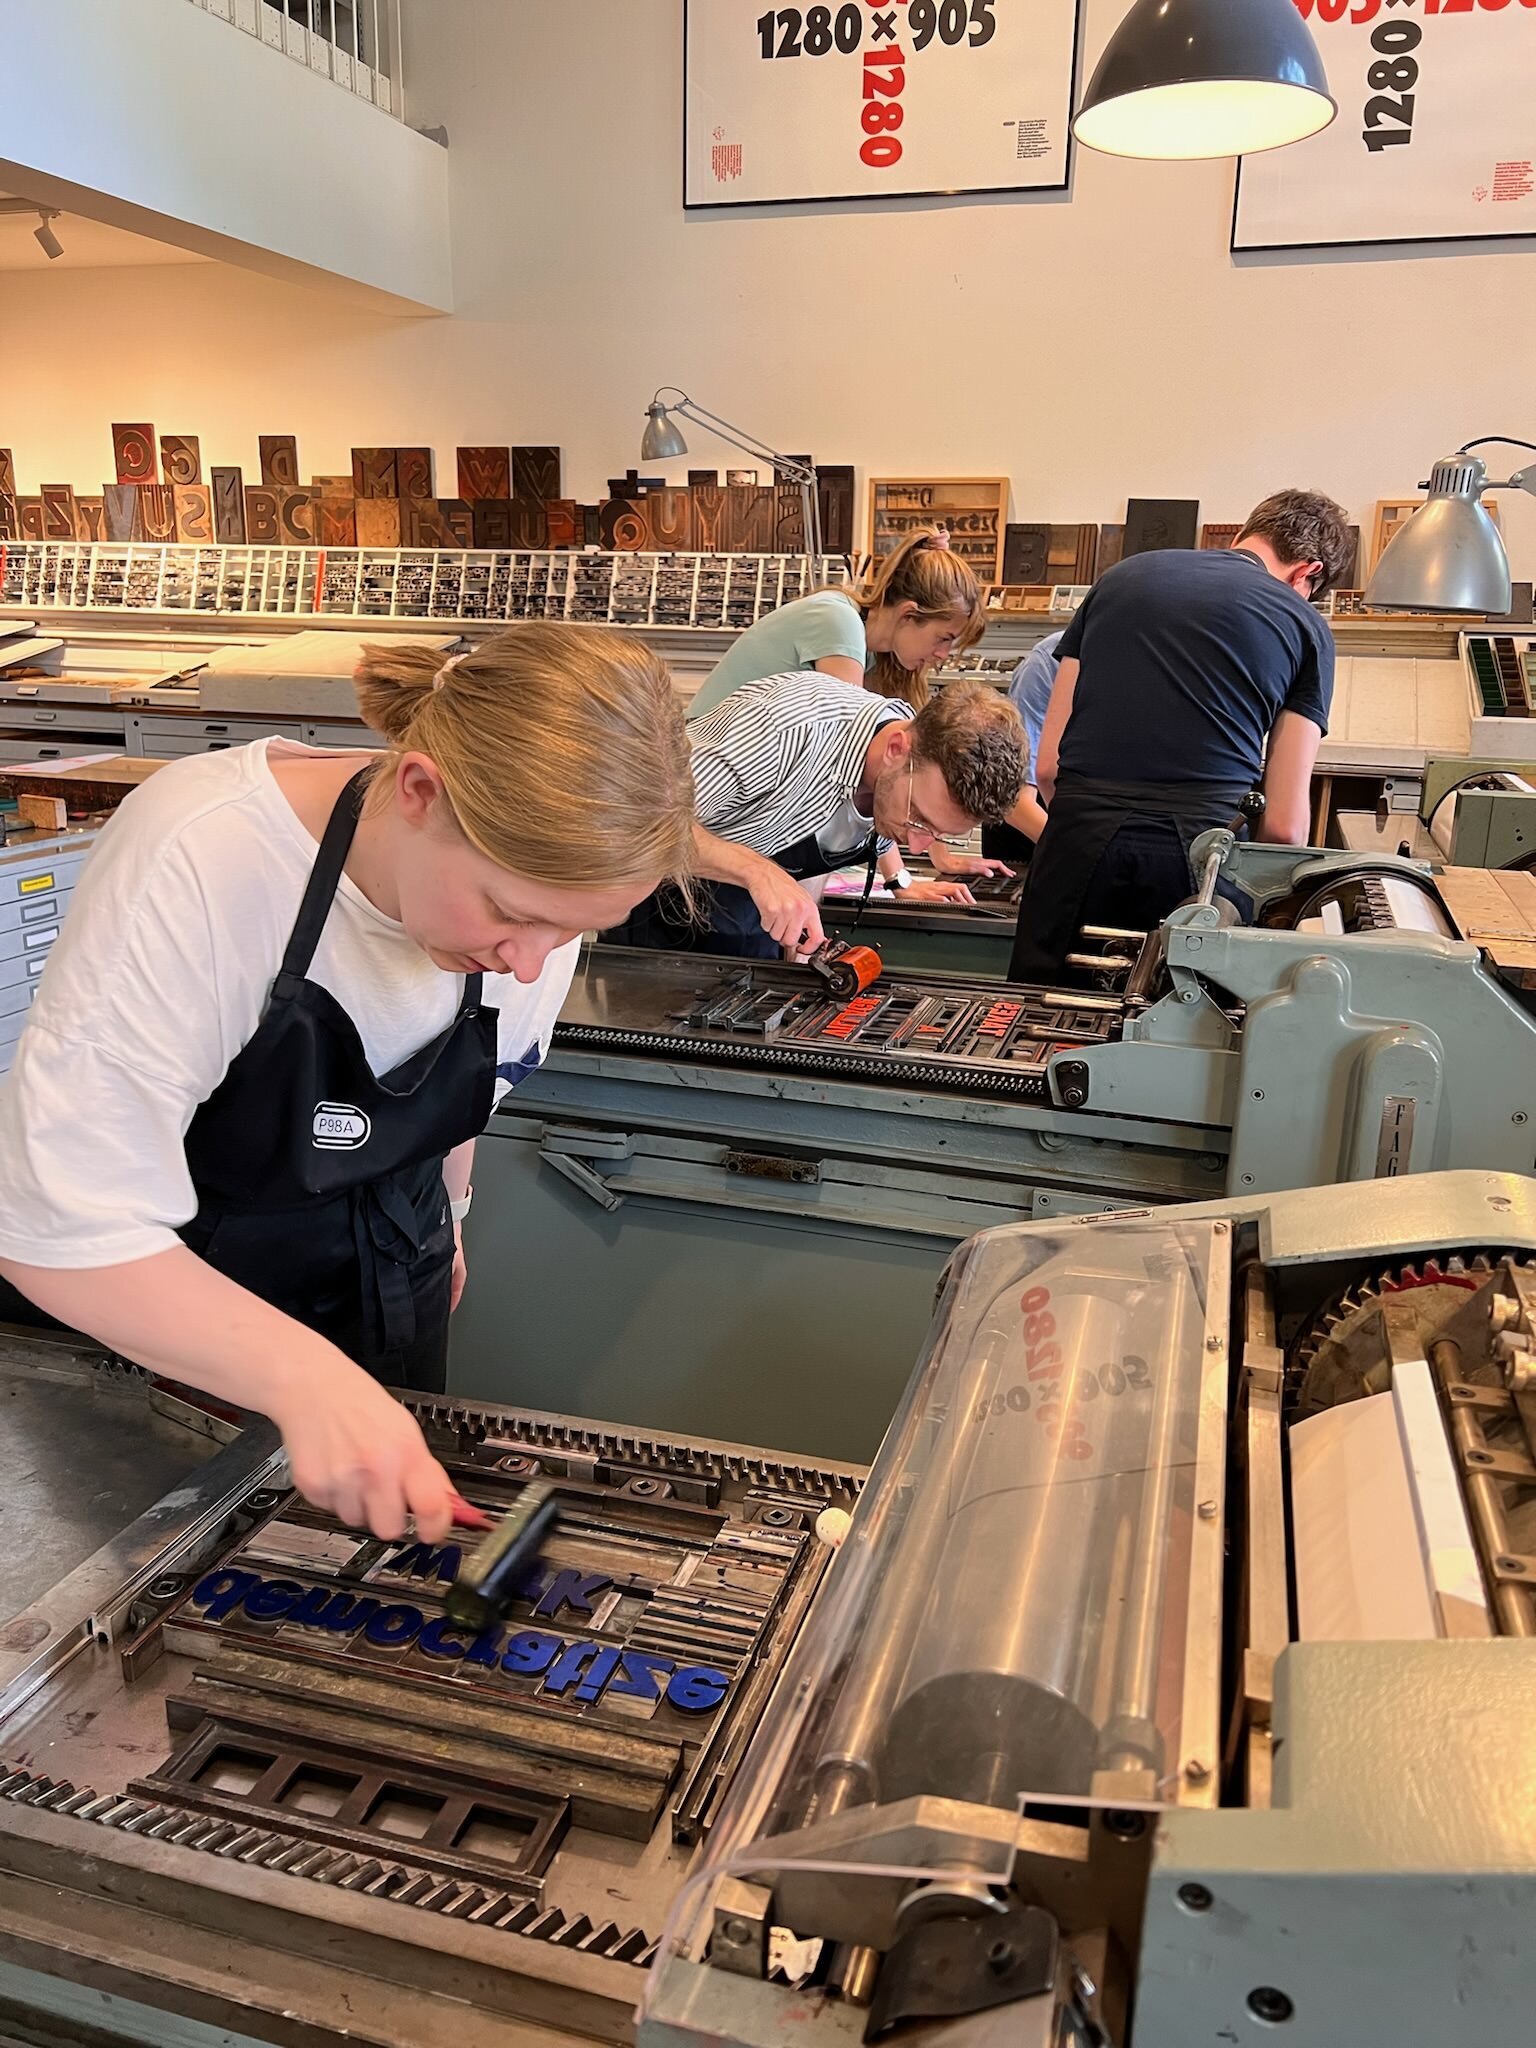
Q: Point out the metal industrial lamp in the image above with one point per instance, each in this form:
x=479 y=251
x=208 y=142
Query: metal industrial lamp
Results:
x=663 y=443
x=1201 y=78
x=1449 y=557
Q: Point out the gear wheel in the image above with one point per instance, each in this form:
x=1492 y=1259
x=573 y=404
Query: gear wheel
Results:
x=1339 y=1357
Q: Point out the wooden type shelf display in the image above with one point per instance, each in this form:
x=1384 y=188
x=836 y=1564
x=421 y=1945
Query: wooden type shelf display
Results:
x=974 y=509
x=711 y=591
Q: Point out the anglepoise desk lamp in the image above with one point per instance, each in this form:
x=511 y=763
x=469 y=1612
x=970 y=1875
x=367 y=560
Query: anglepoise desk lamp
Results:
x=663 y=443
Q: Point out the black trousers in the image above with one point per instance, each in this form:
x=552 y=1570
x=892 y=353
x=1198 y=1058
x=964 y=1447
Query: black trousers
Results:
x=1141 y=875
x=1002 y=842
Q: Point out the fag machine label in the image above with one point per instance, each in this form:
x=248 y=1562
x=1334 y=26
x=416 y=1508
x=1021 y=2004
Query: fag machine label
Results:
x=563 y=1665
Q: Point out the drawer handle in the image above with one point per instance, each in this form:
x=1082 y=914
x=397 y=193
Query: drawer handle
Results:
x=215 y=728
x=45 y=717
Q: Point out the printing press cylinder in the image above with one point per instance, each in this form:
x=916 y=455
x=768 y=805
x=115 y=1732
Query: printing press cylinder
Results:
x=1027 y=1628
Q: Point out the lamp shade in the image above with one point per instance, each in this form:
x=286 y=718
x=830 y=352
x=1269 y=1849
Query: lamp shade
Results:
x=661 y=442
x=1448 y=557
x=1202 y=78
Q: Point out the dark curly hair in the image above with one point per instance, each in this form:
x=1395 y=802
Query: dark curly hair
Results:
x=1304 y=526
x=976 y=739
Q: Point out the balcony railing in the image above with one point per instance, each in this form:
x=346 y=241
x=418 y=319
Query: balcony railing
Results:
x=355 y=43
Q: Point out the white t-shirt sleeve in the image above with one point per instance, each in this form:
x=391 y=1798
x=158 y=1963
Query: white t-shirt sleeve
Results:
x=125 y=1039
x=528 y=1015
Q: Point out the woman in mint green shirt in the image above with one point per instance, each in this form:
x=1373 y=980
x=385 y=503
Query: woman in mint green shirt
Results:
x=883 y=634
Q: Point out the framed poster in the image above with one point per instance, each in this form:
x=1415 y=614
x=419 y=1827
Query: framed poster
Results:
x=974 y=508
x=1435 y=138
x=873 y=99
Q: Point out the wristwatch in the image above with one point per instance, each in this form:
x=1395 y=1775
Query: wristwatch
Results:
x=902 y=879
x=460 y=1209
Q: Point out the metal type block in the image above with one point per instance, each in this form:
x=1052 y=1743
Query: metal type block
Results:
x=133 y=454
x=228 y=507
x=536 y=473
x=279 y=461
x=58 y=511
x=373 y=474
x=180 y=459
x=485 y=472
x=194 y=512
x=7 y=473
x=413 y=472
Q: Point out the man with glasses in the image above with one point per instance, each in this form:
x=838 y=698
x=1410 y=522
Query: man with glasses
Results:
x=1188 y=679
x=797 y=775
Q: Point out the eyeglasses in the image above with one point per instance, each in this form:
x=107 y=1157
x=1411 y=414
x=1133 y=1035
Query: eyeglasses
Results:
x=913 y=823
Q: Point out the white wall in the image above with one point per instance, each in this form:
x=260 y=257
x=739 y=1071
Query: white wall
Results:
x=159 y=118
x=1092 y=349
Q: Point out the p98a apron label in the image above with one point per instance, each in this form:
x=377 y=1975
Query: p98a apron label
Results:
x=339 y=1127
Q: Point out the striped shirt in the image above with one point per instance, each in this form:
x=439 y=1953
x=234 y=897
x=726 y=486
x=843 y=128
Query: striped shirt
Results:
x=778 y=759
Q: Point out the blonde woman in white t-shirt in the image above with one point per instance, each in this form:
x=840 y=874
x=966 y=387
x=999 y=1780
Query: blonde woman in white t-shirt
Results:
x=237 y=1139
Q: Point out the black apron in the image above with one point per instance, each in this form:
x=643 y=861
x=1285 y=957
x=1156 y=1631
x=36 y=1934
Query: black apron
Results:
x=729 y=923
x=320 y=1185
x=1075 y=879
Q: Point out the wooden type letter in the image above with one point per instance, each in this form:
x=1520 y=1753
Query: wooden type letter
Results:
x=133 y=451
x=10 y=518
x=1074 y=554
x=279 y=461
x=421 y=524
x=263 y=526
x=7 y=474
x=671 y=518
x=536 y=473
x=788 y=519
x=181 y=460
x=413 y=472
x=378 y=522
x=458 y=519
x=1111 y=546
x=157 y=512
x=29 y=514
x=703 y=476
x=709 y=516
x=336 y=521
x=530 y=527
x=752 y=515
x=1218 y=536
x=625 y=527
x=194 y=511
x=836 y=485
x=562 y=517
x=296 y=515
x=373 y=473
x=90 y=518
x=1152 y=524
x=120 y=515
x=336 y=488
x=592 y=525
x=485 y=473
x=228 y=507
x=493 y=521
x=1026 y=554
x=58 y=511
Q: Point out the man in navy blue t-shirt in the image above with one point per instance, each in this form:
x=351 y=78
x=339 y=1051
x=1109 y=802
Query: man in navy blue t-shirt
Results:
x=1188 y=678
